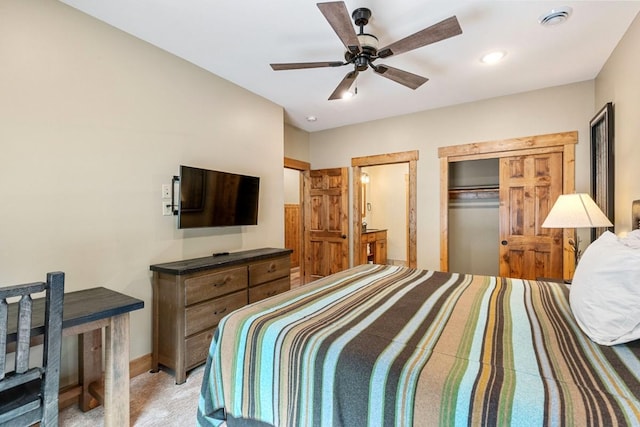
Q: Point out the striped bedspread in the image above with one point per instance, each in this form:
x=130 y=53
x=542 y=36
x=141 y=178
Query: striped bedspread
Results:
x=392 y=346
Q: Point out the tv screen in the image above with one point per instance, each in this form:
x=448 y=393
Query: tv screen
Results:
x=211 y=198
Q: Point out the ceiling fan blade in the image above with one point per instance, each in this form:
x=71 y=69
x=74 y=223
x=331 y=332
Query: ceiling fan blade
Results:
x=301 y=65
x=405 y=78
x=435 y=33
x=344 y=85
x=338 y=16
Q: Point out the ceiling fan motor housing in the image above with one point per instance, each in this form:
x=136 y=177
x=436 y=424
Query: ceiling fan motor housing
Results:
x=368 y=42
x=361 y=62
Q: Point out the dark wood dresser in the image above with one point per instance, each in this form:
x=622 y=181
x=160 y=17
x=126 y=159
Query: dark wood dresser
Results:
x=191 y=296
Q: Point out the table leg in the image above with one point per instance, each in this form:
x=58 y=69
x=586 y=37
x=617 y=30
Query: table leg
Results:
x=155 y=342
x=116 y=378
x=90 y=349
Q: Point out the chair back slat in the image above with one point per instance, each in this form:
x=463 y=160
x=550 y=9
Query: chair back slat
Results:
x=52 y=347
x=24 y=334
x=4 y=320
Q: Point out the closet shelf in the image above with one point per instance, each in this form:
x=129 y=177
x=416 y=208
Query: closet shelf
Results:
x=470 y=193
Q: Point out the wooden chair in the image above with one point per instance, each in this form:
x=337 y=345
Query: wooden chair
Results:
x=29 y=395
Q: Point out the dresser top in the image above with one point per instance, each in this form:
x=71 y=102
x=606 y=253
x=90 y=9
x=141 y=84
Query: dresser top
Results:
x=210 y=262
x=373 y=230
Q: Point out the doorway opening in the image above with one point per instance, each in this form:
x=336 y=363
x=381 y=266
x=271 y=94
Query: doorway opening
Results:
x=409 y=158
x=474 y=211
x=385 y=190
x=295 y=174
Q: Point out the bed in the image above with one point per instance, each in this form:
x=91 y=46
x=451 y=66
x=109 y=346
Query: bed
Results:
x=393 y=346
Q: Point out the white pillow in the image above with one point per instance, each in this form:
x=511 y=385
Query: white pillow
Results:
x=632 y=239
x=605 y=291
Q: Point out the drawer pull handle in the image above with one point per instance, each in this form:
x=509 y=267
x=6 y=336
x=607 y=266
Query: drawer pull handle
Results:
x=224 y=282
x=272 y=268
x=272 y=293
x=220 y=311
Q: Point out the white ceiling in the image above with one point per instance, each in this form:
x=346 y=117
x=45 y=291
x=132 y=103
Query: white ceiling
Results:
x=237 y=40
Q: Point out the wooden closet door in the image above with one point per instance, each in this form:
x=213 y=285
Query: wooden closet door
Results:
x=529 y=185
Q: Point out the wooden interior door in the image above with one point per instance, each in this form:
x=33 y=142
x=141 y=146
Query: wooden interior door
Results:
x=327 y=226
x=292 y=232
x=529 y=185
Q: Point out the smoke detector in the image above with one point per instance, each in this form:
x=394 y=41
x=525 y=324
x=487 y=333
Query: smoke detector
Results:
x=555 y=16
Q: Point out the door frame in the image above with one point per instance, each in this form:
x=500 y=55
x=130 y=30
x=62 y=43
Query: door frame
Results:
x=563 y=142
x=410 y=157
x=303 y=168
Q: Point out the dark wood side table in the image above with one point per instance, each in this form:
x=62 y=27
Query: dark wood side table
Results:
x=86 y=312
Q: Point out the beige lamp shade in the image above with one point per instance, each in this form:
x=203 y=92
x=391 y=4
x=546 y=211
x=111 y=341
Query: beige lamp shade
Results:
x=576 y=211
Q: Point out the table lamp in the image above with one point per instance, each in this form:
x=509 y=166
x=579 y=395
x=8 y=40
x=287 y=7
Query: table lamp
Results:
x=576 y=210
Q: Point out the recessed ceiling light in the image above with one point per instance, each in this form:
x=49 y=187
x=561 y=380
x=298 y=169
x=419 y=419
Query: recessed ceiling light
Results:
x=493 y=57
x=555 y=16
x=312 y=118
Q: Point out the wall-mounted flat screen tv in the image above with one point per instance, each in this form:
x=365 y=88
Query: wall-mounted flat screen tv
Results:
x=211 y=198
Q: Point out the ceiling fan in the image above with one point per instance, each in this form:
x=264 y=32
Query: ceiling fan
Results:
x=362 y=48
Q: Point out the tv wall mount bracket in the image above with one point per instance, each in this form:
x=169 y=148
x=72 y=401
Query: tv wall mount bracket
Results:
x=174 y=192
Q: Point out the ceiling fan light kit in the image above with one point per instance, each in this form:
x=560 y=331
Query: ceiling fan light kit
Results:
x=368 y=41
x=362 y=48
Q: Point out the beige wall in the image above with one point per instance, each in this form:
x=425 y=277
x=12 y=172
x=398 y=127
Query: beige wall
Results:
x=296 y=143
x=619 y=82
x=92 y=123
x=558 y=109
x=291 y=186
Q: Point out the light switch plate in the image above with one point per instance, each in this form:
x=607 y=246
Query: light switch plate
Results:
x=166 y=191
x=166 y=208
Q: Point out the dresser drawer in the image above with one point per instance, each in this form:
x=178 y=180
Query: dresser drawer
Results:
x=197 y=348
x=270 y=289
x=208 y=314
x=368 y=237
x=267 y=271
x=372 y=236
x=206 y=286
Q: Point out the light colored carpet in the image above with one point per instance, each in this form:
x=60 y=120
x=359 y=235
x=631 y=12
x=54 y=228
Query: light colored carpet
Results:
x=156 y=400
